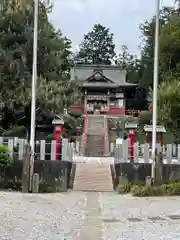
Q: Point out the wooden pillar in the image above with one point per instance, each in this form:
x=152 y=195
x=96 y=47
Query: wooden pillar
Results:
x=108 y=100
x=85 y=101
x=26 y=170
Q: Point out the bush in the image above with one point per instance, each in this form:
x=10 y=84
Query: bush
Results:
x=75 y=113
x=172 y=188
x=123 y=188
x=18 y=131
x=145 y=191
x=45 y=187
x=50 y=137
x=5 y=159
x=11 y=185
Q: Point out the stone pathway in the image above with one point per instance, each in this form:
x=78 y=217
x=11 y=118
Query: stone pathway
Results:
x=88 y=216
x=92 y=224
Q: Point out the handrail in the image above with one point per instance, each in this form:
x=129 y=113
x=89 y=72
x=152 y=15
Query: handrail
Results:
x=106 y=144
x=84 y=136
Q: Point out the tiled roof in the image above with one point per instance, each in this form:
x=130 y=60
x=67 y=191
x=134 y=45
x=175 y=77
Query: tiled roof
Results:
x=113 y=73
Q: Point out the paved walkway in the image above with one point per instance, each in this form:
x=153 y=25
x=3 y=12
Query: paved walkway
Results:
x=88 y=216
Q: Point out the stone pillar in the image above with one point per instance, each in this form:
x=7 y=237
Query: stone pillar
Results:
x=65 y=178
x=35 y=185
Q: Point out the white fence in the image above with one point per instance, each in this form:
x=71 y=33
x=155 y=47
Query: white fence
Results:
x=45 y=150
x=141 y=153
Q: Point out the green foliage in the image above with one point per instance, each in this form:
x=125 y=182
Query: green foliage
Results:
x=124 y=188
x=17 y=131
x=16 y=41
x=169 y=189
x=5 y=159
x=130 y=63
x=54 y=96
x=145 y=191
x=169 y=106
x=172 y=188
x=145 y=117
x=45 y=187
x=98 y=46
x=11 y=185
x=50 y=137
x=75 y=114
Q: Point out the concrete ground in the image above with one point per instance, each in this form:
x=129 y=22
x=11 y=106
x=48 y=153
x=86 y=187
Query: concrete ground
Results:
x=88 y=216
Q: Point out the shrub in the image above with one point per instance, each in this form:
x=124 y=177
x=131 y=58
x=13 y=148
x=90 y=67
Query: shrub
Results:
x=75 y=113
x=11 y=185
x=136 y=190
x=18 y=131
x=5 y=159
x=123 y=188
x=172 y=188
x=145 y=191
x=50 y=137
x=45 y=187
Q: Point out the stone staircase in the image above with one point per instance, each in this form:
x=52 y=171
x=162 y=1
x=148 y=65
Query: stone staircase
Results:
x=95 y=136
x=93 y=177
x=95 y=125
x=94 y=146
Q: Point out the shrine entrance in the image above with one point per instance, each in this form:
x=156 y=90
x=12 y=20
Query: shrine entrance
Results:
x=97 y=103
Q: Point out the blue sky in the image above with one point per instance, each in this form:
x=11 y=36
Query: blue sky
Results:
x=123 y=17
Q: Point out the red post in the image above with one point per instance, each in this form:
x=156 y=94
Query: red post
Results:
x=132 y=140
x=57 y=145
x=57 y=132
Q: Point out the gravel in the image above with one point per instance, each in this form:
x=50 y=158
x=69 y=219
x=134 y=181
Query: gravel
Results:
x=62 y=216
x=45 y=216
x=127 y=217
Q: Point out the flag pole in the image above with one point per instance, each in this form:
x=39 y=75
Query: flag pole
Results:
x=33 y=93
x=155 y=87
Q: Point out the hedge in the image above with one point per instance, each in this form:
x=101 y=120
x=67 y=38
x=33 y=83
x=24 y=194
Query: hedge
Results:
x=171 y=188
x=18 y=131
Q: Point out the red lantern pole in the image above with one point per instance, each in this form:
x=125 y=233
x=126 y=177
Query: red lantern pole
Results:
x=57 y=145
x=57 y=133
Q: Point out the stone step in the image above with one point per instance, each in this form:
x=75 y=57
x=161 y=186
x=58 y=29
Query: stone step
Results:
x=85 y=178
x=93 y=177
x=93 y=189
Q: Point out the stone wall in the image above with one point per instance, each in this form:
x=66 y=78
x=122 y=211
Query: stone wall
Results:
x=49 y=171
x=138 y=173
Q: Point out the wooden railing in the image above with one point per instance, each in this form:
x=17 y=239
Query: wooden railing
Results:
x=142 y=153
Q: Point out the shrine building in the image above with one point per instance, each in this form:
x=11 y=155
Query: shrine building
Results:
x=104 y=88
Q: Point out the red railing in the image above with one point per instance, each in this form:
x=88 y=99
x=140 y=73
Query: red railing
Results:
x=110 y=111
x=106 y=141
x=116 y=111
x=84 y=136
x=77 y=108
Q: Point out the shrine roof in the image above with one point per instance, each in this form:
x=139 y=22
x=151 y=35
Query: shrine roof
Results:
x=111 y=76
x=100 y=84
